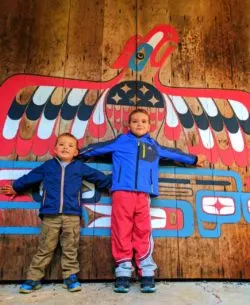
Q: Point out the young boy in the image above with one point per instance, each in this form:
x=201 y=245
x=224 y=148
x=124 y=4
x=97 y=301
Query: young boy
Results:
x=60 y=210
x=135 y=158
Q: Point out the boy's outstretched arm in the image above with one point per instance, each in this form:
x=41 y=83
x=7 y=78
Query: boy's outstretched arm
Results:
x=97 y=177
x=176 y=155
x=97 y=149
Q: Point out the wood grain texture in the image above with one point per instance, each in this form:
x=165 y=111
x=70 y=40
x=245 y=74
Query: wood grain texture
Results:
x=81 y=39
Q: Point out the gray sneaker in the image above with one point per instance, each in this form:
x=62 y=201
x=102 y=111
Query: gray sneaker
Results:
x=122 y=284
x=148 y=284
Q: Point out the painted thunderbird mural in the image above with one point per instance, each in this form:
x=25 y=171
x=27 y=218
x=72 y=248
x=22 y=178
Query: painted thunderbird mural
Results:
x=211 y=122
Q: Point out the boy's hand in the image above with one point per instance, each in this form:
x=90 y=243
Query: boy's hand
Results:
x=8 y=190
x=201 y=161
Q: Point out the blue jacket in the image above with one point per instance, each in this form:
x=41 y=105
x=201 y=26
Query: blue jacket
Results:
x=62 y=186
x=136 y=161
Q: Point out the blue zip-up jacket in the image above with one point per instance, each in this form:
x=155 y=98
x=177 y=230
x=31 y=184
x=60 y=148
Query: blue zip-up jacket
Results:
x=136 y=161
x=62 y=186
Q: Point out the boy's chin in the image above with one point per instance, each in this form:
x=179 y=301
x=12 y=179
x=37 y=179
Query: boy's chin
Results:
x=65 y=159
x=139 y=134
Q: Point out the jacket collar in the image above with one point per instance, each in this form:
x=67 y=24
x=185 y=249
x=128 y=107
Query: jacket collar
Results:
x=59 y=161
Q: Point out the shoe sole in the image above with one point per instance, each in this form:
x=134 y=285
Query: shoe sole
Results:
x=148 y=290
x=78 y=288
x=31 y=290
x=121 y=290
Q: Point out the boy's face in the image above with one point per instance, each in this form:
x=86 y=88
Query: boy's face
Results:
x=66 y=148
x=139 y=124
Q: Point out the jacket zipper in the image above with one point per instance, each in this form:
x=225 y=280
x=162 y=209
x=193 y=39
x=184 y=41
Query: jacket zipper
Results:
x=151 y=180
x=62 y=187
x=143 y=150
x=44 y=196
x=119 y=176
x=137 y=164
x=79 y=199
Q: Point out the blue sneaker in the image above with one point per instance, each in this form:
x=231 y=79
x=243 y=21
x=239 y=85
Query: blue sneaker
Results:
x=29 y=285
x=122 y=284
x=71 y=283
x=148 y=284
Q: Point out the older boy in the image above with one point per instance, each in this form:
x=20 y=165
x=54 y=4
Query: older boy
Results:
x=135 y=158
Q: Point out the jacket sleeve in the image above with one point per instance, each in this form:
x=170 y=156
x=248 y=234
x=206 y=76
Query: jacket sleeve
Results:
x=95 y=176
x=98 y=149
x=176 y=155
x=34 y=176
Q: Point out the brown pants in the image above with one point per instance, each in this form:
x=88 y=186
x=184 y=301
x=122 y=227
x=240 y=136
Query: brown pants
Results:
x=65 y=227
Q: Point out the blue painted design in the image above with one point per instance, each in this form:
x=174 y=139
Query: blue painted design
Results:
x=201 y=172
x=19 y=205
x=241 y=199
x=95 y=232
x=51 y=111
x=186 y=208
x=20 y=230
x=218 y=220
x=16 y=110
x=137 y=64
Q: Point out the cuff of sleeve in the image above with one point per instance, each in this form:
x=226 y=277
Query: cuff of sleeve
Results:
x=195 y=160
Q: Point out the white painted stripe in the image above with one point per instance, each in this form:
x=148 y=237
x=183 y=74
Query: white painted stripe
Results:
x=157 y=212
x=222 y=211
x=91 y=192
x=225 y=201
x=155 y=39
x=45 y=128
x=12 y=174
x=179 y=104
x=171 y=117
x=102 y=222
x=79 y=128
x=207 y=138
x=98 y=116
x=101 y=209
x=158 y=223
x=209 y=106
x=240 y=110
x=76 y=96
x=10 y=128
x=248 y=206
x=42 y=94
x=237 y=141
x=227 y=205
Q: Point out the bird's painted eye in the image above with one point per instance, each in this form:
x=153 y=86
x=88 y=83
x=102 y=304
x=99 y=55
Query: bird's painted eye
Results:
x=140 y=55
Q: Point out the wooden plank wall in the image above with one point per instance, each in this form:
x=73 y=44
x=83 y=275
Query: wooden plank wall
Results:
x=81 y=40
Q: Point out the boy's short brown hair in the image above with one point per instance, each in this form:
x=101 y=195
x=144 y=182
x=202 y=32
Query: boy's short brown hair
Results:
x=67 y=134
x=138 y=110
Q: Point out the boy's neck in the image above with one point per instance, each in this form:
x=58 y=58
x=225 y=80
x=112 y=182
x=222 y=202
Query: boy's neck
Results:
x=137 y=135
x=64 y=161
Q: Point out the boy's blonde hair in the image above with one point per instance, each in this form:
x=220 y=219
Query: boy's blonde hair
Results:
x=138 y=110
x=67 y=134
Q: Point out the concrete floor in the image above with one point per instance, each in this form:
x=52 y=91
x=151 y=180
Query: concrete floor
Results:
x=171 y=293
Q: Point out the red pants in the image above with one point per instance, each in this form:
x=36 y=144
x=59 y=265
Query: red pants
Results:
x=131 y=229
